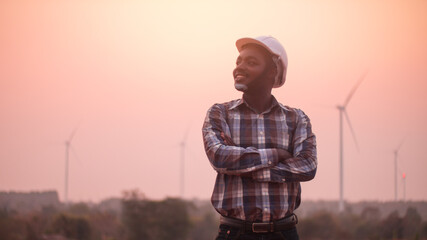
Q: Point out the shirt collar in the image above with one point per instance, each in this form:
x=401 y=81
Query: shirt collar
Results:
x=241 y=102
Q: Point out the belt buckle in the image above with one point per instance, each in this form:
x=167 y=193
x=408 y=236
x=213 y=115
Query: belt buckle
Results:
x=262 y=227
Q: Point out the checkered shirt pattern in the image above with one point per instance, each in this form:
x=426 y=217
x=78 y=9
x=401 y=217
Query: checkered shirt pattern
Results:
x=251 y=183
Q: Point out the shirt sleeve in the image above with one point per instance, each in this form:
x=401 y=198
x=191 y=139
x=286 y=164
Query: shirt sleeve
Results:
x=230 y=159
x=303 y=165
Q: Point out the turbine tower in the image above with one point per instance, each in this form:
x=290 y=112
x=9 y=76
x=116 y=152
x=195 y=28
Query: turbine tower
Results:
x=404 y=186
x=182 y=174
x=343 y=112
x=396 y=154
x=67 y=156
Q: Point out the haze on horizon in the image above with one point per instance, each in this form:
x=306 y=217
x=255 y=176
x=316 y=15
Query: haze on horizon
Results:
x=133 y=76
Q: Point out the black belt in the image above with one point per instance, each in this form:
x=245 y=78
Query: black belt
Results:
x=262 y=227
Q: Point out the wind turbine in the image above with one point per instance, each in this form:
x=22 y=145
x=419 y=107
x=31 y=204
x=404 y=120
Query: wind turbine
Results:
x=67 y=156
x=404 y=186
x=343 y=112
x=182 y=145
x=396 y=154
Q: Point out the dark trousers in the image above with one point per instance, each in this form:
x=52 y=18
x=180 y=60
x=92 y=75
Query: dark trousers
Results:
x=232 y=233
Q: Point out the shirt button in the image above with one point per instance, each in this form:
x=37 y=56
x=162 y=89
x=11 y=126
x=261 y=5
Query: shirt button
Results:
x=261 y=133
x=269 y=162
x=266 y=209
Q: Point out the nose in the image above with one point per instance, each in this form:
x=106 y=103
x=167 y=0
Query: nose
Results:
x=239 y=66
x=236 y=70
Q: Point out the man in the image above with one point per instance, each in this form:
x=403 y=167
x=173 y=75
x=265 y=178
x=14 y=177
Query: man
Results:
x=260 y=148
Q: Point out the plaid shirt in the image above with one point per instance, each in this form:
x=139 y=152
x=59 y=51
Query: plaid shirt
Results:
x=251 y=183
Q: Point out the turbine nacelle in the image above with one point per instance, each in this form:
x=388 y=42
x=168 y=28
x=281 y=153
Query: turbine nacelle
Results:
x=340 y=108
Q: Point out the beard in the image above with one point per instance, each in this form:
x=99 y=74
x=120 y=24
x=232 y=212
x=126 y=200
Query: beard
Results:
x=240 y=87
x=254 y=84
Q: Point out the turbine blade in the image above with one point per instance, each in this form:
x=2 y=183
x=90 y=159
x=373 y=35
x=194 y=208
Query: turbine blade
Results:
x=74 y=131
x=75 y=154
x=351 y=129
x=400 y=145
x=323 y=106
x=72 y=134
x=350 y=95
x=184 y=139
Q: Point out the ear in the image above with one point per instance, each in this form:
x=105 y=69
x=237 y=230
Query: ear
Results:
x=272 y=72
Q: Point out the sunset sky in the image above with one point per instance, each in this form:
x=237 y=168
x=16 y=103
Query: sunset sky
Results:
x=134 y=76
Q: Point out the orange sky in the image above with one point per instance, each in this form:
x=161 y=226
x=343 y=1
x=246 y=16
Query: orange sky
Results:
x=134 y=75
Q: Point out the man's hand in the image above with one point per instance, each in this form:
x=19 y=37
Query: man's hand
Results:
x=228 y=141
x=283 y=154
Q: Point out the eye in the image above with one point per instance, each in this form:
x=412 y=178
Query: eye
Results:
x=251 y=63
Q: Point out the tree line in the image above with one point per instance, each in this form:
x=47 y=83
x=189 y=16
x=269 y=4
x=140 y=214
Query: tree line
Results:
x=367 y=225
x=174 y=218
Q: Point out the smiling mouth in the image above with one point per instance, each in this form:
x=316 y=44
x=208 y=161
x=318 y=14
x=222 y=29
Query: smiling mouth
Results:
x=239 y=77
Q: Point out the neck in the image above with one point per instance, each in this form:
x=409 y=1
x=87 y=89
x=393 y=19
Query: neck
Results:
x=259 y=102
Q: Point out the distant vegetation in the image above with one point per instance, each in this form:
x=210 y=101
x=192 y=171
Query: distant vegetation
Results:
x=35 y=216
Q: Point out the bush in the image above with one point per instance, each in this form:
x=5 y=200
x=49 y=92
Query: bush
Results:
x=157 y=220
x=74 y=227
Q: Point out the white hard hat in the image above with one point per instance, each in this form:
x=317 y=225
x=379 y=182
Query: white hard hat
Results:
x=273 y=46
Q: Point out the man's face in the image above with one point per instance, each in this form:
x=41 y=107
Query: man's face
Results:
x=251 y=70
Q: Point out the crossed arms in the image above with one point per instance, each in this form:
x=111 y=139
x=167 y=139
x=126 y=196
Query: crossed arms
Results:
x=262 y=164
